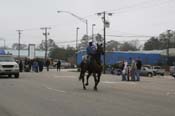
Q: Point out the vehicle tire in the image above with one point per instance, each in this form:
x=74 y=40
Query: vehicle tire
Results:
x=162 y=74
x=149 y=74
x=16 y=75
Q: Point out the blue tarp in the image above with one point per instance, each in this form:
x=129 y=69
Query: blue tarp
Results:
x=2 y=52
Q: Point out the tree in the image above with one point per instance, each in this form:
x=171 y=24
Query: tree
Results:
x=61 y=53
x=112 y=45
x=16 y=46
x=99 y=38
x=153 y=44
x=50 y=44
x=128 y=46
x=161 y=42
x=84 y=42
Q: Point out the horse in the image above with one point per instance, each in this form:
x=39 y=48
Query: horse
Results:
x=94 y=68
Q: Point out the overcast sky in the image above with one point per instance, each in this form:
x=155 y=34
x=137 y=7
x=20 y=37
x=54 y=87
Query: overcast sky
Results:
x=131 y=17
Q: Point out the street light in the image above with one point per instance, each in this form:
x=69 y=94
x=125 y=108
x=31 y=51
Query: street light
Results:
x=93 y=32
x=80 y=18
x=105 y=24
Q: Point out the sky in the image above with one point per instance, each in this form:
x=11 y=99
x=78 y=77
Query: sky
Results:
x=130 y=17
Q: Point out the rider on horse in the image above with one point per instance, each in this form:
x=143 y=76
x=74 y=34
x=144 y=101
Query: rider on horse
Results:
x=91 y=51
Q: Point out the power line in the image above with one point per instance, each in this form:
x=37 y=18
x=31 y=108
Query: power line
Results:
x=117 y=11
x=129 y=36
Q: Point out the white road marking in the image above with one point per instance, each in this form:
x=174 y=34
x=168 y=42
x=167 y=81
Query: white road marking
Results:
x=112 y=82
x=64 y=77
x=57 y=90
x=171 y=92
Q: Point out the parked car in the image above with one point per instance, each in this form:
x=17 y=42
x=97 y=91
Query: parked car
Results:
x=158 y=70
x=8 y=66
x=172 y=71
x=145 y=71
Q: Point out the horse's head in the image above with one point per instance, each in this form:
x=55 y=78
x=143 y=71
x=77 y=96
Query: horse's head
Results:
x=100 y=49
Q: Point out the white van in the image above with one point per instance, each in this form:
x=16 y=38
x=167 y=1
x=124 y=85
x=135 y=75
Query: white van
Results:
x=8 y=66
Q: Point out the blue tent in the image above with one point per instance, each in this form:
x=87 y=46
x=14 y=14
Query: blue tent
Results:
x=2 y=52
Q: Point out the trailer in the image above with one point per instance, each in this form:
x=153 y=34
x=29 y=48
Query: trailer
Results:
x=149 y=58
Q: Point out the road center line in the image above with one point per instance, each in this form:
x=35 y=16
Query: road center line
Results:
x=111 y=82
x=57 y=90
x=65 y=77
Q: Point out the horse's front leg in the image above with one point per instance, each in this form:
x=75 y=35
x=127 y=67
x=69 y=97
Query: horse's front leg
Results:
x=87 y=78
x=84 y=87
x=98 y=79
x=95 y=80
x=81 y=77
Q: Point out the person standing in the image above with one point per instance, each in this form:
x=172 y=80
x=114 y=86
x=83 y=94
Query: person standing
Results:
x=139 y=66
x=124 y=70
x=47 y=64
x=133 y=70
x=58 y=65
x=20 y=65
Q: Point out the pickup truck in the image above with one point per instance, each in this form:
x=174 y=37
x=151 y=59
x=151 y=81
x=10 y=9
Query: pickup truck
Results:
x=8 y=66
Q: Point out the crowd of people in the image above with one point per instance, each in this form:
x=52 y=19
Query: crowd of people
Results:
x=36 y=65
x=131 y=69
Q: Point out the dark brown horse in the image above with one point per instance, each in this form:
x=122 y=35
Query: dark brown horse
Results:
x=94 y=67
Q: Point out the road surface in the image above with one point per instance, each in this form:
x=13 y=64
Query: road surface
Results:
x=61 y=94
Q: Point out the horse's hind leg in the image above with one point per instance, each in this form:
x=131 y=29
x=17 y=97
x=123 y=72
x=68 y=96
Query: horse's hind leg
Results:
x=87 y=78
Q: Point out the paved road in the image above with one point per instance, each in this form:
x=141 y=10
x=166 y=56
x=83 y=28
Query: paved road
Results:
x=61 y=94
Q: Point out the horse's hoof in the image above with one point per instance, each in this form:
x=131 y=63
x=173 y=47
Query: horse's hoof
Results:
x=79 y=78
x=84 y=88
x=95 y=89
x=86 y=84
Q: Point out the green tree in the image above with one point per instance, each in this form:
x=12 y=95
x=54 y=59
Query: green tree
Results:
x=153 y=44
x=128 y=46
x=61 y=53
x=112 y=45
x=161 y=42
x=50 y=44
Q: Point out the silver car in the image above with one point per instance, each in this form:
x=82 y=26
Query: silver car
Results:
x=145 y=71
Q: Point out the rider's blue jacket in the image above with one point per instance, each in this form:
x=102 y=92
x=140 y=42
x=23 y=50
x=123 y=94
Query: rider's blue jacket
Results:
x=91 y=50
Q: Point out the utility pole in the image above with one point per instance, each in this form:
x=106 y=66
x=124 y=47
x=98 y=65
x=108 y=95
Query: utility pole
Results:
x=105 y=24
x=19 y=42
x=168 y=45
x=46 y=34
